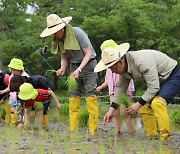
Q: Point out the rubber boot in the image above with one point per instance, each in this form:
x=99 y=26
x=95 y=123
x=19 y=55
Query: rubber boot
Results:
x=74 y=103
x=13 y=118
x=92 y=107
x=8 y=112
x=161 y=114
x=149 y=121
x=45 y=120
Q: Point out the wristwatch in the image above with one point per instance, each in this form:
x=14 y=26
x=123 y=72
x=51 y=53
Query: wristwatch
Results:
x=79 y=69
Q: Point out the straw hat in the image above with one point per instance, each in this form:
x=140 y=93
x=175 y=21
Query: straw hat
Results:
x=54 y=24
x=110 y=56
x=27 y=91
x=16 y=64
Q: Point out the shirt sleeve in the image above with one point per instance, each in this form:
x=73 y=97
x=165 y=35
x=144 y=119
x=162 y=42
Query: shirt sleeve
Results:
x=150 y=74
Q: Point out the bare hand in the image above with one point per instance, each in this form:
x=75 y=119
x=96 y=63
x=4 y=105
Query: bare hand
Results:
x=1 y=92
x=109 y=115
x=134 y=108
x=98 y=89
x=60 y=72
x=75 y=74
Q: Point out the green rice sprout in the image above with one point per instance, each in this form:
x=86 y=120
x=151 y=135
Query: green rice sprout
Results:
x=71 y=84
x=123 y=99
x=50 y=72
x=38 y=106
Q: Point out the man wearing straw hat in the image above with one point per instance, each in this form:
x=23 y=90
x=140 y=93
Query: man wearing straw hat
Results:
x=75 y=48
x=161 y=75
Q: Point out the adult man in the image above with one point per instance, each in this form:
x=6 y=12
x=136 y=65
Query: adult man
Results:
x=75 y=48
x=161 y=75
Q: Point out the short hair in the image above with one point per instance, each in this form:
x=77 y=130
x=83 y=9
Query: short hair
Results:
x=16 y=82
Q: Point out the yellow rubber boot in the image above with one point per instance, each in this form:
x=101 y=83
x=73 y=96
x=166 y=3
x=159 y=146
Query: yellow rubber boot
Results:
x=74 y=103
x=149 y=121
x=92 y=107
x=45 y=120
x=8 y=112
x=14 y=118
x=161 y=114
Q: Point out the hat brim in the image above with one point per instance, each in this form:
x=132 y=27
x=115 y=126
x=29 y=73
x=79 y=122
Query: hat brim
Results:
x=101 y=66
x=16 y=67
x=50 y=31
x=33 y=95
x=122 y=49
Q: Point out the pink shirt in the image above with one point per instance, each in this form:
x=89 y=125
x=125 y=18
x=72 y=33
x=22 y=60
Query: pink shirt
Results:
x=13 y=95
x=112 y=80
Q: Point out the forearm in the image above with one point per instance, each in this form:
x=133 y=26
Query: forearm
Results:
x=64 y=62
x=5 y=90
x=53 y=96
x=87 y=57
x=104 y=85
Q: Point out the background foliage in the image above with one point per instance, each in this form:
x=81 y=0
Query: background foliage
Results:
x=142 y=23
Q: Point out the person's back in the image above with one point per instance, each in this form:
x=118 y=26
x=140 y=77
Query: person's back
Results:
x=153 y=60
x=39 y=81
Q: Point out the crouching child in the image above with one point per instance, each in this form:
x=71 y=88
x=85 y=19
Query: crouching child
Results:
x=29 y=96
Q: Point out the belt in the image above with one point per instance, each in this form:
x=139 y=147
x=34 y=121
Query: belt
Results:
x=80 y=62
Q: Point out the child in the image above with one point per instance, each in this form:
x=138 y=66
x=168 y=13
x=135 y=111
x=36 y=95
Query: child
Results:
x=16 y=68
x=37 y=81
x=111 y=80
x=4 y=81
x=29 y=96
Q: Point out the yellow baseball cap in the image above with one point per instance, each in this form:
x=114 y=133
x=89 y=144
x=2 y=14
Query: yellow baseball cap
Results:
x=16 y=63
x=27 y=91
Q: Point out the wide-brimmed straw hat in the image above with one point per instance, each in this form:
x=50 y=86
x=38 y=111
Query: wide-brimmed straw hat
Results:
x=27 y=91
x=54 y=24
x=110 y=56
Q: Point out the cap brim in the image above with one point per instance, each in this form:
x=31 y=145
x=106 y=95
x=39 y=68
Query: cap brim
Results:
x=50 y=31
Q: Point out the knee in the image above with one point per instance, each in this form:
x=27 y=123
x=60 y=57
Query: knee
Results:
x=158 y=101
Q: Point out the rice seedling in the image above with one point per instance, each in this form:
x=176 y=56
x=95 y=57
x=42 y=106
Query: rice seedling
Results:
x=50 y=72
x=175 y=116
x=123 y=99
x=65 y=109
x=120 y=148
x=83 y=118
x=102 y=148
x=110 y=141
x=71 y=84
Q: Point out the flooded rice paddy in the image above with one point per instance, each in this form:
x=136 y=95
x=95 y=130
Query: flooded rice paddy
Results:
x=58 y=140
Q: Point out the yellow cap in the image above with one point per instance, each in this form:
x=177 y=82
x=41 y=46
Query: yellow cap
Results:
x=107 y=44
x=16 y=64
x=27 y=91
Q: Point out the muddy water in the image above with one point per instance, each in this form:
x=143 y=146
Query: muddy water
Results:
x=58 y=140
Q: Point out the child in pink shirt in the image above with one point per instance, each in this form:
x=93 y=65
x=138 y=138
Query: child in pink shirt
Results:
x=16 y=68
